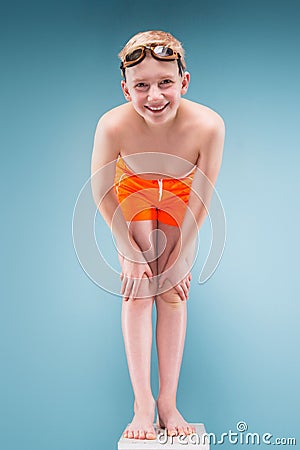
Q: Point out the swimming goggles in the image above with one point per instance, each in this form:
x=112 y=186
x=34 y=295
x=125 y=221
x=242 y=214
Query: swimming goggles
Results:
x=159 y=52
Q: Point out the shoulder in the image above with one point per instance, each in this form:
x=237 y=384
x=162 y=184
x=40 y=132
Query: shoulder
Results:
x=106 y=141
x=114 y=120
x=208 y=130
x=204 y=119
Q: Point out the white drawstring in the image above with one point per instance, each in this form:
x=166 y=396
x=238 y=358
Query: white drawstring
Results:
x=160 y=186
x=120 y=179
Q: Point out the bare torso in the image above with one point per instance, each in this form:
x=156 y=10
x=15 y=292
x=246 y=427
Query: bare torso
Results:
x=171 y=152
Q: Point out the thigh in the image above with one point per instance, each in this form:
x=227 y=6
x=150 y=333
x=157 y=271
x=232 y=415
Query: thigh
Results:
x=144 y=233
x=167 y=237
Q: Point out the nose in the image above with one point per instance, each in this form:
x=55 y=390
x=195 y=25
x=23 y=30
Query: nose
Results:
x=154 y=93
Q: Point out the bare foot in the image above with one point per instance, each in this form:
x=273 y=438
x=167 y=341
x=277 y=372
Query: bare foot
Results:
x=141 y=426
x=170 y=418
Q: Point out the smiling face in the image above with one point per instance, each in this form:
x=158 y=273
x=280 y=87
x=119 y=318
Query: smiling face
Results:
x=154 y=87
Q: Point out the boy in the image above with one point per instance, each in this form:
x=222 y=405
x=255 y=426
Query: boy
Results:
x=155 y=148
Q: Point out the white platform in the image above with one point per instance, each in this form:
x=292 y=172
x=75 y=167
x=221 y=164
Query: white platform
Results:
x=162 y=442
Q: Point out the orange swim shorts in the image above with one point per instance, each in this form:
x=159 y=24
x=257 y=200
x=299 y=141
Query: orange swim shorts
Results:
x=164 y=199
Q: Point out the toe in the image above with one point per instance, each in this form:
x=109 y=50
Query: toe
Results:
x=125 y=434
x=172 y=431
x=130 y=434
x=142 y=434
x=180 y=431
x=136 y=434
x=150 y=435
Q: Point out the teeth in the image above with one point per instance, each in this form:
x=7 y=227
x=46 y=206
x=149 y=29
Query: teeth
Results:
x=157 y=109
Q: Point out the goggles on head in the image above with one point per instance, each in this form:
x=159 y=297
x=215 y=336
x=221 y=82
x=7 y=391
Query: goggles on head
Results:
x=159 y=52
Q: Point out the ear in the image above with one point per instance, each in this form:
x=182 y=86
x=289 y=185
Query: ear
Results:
x=125 y=91
x=185 y=82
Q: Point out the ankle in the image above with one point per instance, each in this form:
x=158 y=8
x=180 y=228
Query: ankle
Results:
x=166 y=401
x=144 y=403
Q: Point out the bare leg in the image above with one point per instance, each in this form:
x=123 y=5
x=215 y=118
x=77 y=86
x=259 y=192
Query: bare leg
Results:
x=170 y=337
x=137 y=333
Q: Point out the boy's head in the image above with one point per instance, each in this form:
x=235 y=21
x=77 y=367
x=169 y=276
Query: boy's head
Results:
x=161 y=43
x=155 y=75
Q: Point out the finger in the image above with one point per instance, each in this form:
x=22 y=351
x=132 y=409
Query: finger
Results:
x=122 y=275
x=187 y=284
x=123 y=290
x=128 y=287
x=161 y=281
x=134 y=289
x=180 y=292
x=185 y=289
x=123 y=285
x=148 y=271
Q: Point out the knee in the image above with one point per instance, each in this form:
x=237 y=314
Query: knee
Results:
x=144 y=296
x=139 y=303
x=170 y=297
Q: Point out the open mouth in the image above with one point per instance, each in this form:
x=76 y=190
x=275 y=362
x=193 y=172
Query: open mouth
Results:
x=157 y=109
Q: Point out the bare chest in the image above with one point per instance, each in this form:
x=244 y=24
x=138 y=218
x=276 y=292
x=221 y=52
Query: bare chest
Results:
x=155 y=158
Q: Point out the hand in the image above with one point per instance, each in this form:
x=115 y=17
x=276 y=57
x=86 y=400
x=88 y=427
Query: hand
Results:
x=131 y=276
x=176 y=272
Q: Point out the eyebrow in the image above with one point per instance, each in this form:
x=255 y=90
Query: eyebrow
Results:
x=164 y=76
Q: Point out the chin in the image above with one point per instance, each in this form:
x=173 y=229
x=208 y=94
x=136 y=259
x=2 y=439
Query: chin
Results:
x=165 y=116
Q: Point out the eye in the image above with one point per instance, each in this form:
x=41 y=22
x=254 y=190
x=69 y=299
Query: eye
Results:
x=141 y=85
x=167 y=81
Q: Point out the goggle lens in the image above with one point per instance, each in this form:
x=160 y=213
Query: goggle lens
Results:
x=136 y=54
x=159 y=50
x=162 y=51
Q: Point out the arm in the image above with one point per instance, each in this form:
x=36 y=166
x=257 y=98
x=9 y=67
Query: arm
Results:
x=103 y=167
x=209 y=162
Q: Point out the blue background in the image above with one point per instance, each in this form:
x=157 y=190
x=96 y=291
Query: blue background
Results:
x=64 y=378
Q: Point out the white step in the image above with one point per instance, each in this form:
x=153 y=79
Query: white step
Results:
x=194 y=441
